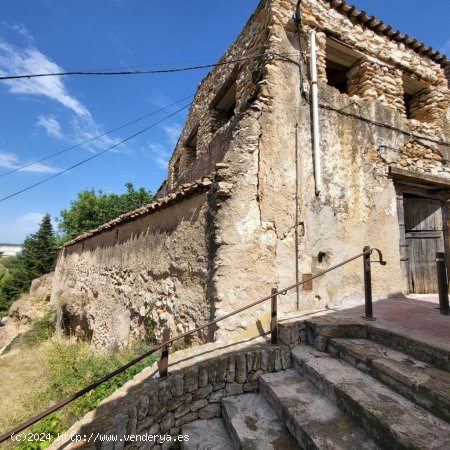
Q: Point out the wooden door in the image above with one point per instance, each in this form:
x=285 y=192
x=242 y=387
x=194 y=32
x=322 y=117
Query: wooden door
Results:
x=424 y=236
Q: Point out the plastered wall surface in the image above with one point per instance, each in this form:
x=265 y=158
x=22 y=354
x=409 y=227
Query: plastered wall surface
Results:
x=114 y=289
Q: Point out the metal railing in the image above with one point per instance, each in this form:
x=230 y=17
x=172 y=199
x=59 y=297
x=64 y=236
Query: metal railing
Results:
x=442 y=279
x=163 y=364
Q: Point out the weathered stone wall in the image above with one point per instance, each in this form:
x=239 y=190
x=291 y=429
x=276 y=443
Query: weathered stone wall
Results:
x=213 y=131
x=193 y=389
x=249 y=221
x=137 y=278
x=362 y=134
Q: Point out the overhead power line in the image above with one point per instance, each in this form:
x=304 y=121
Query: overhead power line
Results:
x=93 y=138
x=84 y=161
x=131 y=72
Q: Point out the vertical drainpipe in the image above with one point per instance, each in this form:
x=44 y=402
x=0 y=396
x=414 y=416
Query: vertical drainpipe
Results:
x=315 y=115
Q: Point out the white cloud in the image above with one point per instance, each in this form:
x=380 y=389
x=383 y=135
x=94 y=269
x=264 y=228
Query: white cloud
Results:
x=160 y=155
x=173 y=132
x=85 y=128
x=50 y=125
x=23 y=30
x=7 y=160
x=28 y=223
x=14 y=60
x=11 y=161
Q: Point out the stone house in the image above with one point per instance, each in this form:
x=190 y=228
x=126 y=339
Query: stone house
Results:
x=249 y=187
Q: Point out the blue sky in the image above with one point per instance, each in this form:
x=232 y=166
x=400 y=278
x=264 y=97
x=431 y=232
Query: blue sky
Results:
x=42 y=116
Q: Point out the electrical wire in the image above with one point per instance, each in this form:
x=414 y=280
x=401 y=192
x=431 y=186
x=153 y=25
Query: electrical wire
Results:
x=93 y=138
x=84 y=161
x=132 y=72
x=139 y=72
x=341 y=111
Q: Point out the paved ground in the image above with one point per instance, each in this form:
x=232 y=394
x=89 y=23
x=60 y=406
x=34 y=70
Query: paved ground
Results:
x=419 y=314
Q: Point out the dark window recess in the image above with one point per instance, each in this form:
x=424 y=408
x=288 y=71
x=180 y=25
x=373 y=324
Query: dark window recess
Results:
x=191 y=148
x=340 y=58
x=222 y=108
x=337 y=76
x=227 y=104
x=411 y=88
x=407 y=100
x=176 y=170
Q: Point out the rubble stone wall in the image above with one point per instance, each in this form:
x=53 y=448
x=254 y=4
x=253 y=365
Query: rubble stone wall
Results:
x=211 y=128
x=150 y=406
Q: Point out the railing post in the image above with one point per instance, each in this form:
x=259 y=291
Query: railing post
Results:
x=442 y=283
x=163 y=364
x=273 y=318
x=367 y=285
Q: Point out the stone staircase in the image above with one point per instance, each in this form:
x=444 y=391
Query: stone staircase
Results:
x=359 y=394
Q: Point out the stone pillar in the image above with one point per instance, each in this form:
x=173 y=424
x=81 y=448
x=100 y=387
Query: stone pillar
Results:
x=428 y=105
x=187 y=157
x=369 y=79
x=212 y=121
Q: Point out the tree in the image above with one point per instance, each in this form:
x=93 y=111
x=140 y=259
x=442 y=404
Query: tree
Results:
x=38 y=256
x=91 y=209
x=39 y=250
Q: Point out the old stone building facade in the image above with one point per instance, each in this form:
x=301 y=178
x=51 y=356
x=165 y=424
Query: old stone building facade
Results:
x=221 y=232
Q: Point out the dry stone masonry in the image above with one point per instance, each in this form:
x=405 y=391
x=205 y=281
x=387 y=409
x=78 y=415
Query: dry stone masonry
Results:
x=206 y=248
x=193 y=390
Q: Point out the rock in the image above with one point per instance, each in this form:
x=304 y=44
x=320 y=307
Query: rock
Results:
x=191 y=380
x=234 y=389
x=42 y=286
x=210 y=411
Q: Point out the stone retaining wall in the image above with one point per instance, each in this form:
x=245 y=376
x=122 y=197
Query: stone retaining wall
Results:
x=131 y=281
x=192 y=390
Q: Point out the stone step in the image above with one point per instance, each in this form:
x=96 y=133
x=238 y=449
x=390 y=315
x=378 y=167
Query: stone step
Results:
x=393 y=421
x=209 y=434
x=253 y=425
x=424 y=348
x=315 y=422
x=425 y=385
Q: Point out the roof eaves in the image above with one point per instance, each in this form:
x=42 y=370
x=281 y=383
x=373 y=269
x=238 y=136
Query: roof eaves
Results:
x=379 y=27
x=184 y=191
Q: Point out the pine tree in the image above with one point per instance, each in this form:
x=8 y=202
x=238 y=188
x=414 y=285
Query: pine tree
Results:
x=38 y=256
x=39 y=249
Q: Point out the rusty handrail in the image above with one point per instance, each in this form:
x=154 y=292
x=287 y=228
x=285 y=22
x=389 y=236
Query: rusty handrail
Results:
x=273 y=295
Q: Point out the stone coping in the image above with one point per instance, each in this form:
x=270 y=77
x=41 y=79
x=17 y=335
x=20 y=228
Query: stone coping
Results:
x=183 y=192
x=379 y=27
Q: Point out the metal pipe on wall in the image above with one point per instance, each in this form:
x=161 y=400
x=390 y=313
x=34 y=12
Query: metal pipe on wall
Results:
x=297 y=279
x=315 y=114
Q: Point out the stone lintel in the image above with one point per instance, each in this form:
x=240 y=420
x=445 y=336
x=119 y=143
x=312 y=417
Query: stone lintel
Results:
x=417 y=178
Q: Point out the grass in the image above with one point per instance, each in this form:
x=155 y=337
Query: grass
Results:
x=41 y=330
x=22 y=374
x=38 y=370
x=36 y=377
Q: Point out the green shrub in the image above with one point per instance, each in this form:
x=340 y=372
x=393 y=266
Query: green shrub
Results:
x=72 y=367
